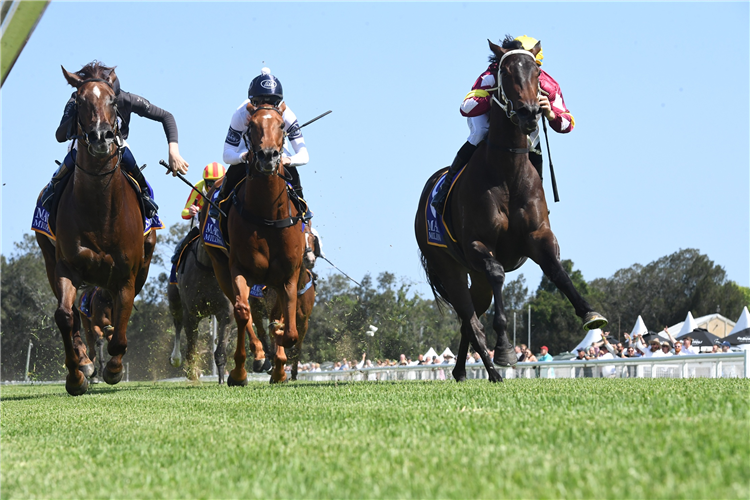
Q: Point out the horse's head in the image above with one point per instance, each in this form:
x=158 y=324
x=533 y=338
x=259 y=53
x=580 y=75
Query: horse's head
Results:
x=97 y=107
x=266 y=131
x=518 y=83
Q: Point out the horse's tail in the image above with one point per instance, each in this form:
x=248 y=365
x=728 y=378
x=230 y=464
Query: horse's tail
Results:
x=438 y=290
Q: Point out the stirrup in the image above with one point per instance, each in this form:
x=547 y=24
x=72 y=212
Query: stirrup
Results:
x=150 y=207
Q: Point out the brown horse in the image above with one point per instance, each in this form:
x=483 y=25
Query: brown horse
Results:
x=497 y=215
x=99 y=230
x=267 y=242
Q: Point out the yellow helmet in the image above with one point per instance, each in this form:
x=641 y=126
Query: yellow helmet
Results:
x=213 y=171
x=529 y=43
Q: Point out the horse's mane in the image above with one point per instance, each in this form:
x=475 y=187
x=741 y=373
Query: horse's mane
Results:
x=508 y=43
x=95 y=69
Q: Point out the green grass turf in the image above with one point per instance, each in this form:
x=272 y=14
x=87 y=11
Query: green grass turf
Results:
x=590 y=438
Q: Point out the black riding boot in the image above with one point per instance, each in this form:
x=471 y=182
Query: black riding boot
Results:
x=462 y=158
x=149 y=204
x=234 y=174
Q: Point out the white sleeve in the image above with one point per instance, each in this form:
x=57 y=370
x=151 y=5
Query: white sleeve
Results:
x=291 y=127
x=234 y=146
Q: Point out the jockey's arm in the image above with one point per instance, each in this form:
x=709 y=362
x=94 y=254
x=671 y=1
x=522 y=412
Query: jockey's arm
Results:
x=143 y=108
x=234 y=147
x=193 y=199
x=559 y=116
x=292 y=129
x=68 y=121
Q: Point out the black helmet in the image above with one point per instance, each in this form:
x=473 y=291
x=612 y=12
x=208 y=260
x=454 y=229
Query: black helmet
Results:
x=266 y=85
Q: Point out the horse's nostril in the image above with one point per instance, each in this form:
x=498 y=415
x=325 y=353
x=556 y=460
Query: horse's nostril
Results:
x=109 y=135
x=275 y=154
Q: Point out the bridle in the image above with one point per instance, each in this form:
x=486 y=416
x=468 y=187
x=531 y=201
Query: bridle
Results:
x=82 y=138
x=258 y=152
x=505 y=103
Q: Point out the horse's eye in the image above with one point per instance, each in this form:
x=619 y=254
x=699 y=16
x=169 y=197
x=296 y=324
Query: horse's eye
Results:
x=281 y=126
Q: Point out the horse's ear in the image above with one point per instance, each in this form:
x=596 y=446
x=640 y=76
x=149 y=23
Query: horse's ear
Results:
x=111 y=78
x=537 y=48
x=73 y=79
x=496 y=49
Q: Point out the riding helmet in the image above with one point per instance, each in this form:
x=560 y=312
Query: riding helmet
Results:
x=214 y=171
x=529 y=43
x=266 y=85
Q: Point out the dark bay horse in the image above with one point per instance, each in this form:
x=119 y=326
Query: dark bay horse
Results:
x=497 y=214
x=99 y=230
x=196 y=296
x=266 y=244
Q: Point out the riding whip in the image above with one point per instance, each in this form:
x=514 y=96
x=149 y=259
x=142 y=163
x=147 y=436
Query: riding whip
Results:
x=549 y=156
x=339 y=270
x=182 y=178
x=315 y=119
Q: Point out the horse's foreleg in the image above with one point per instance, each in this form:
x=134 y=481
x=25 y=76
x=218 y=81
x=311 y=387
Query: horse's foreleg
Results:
x=243 y=317
x=258 y=309
x=118 y=345
x=190 y=324
x=86 y=364
x=220 y=355
x=289 y=310
x=279 y=362
x=175 y=359
x=545 y=252
x=75 y=383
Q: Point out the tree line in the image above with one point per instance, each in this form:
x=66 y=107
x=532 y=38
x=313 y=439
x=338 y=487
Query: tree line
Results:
x=662 y=292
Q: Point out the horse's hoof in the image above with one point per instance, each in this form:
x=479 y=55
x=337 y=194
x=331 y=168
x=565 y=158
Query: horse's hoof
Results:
x=94 y=380
x=459 y=376
x=74 y=388
x=176 y=362
x=505 y=356
x=594 y=320
x=231 y=382
x=282 y=380
x=88 y=370
x=494 y=376
x=261 y=365
x=111 y=378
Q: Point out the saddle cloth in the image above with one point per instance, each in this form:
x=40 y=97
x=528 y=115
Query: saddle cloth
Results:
x=40 y=221
x=85 y=305
x=436 y=227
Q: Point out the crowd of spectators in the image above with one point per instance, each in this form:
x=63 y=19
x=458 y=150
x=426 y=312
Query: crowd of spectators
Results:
x=607 y=348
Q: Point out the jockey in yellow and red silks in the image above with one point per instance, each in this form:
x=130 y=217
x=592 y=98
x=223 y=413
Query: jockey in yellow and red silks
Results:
x=476 y=108
x=212 y=173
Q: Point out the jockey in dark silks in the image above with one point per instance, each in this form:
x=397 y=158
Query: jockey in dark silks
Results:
x=127 y=104
x=264 y=89
x=476 y=108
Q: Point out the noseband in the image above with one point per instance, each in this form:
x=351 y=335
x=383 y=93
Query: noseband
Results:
x=256 y=152
x=505 y=103
x=84 y=139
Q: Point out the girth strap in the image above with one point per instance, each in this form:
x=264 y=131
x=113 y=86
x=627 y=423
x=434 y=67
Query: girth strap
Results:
x=278 y=224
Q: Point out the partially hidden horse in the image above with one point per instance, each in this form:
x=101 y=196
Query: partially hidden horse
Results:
x=497 y=217
x=266 y=244
x=268 y=307
x=99 y=230
x=96 y=320
x=195 y=296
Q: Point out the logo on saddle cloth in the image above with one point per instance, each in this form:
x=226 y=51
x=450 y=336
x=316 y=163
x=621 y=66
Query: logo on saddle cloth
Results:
x=85 y=305
x=40 y=221
x=437 y=230
x=211 y=232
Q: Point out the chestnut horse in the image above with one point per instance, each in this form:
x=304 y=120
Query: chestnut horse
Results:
x=99 y=230
x=266 y=244
x=497 y=215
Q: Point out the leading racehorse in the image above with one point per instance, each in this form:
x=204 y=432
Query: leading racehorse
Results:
x=497 y=216
x=266 y=243
x=99 y=230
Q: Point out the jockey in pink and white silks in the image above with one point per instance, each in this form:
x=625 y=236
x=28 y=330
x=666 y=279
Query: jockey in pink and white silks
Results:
x=264 y=89
x=476 y=108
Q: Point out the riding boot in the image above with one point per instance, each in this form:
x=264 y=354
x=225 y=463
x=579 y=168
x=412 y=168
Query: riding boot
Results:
x=234 y=174
x=131 y=168
x=462 y=158
x=297 y=188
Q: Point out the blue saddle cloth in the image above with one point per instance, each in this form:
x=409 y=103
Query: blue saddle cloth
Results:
x=40 y=221
x=437 y=230
x=85 y=305
x=211 y=233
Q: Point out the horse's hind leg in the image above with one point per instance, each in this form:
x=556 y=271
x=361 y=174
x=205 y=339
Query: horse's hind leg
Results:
x=123 y=306
x=175 y=309
x=75 y=383
x=86 y=364
x=220 y=355
x=545 y=252
x=243 y=317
